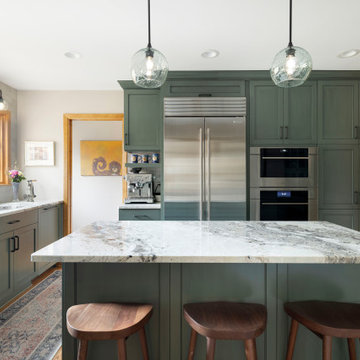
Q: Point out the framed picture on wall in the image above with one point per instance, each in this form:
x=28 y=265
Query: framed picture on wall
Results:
x=39 y=153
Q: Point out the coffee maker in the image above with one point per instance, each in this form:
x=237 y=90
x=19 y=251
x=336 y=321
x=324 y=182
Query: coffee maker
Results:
x=139 y=188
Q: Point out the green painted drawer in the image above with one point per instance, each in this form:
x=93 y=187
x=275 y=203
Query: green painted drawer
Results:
x=139 y=214
x=15 y=221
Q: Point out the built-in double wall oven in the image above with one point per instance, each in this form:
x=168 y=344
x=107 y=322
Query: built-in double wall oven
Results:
x=283 y=183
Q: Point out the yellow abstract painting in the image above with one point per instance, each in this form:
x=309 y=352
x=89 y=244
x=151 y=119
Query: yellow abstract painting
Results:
x=100 y=158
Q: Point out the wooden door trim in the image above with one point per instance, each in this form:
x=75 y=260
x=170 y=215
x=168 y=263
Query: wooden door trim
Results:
x=68 y=120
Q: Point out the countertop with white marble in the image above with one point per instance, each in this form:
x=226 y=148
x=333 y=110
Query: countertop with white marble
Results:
x=206 y=242
x=11 y=208
x=134 y=206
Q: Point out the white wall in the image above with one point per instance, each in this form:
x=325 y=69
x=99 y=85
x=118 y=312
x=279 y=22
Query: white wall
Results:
x=94 y=197
x=40 y=117
x=10 y=96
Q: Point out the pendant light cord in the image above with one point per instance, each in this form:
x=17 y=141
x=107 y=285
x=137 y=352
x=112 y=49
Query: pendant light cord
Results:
x=290 y=25
x=149 y=33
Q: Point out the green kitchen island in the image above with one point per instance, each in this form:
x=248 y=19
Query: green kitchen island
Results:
x=170 y=263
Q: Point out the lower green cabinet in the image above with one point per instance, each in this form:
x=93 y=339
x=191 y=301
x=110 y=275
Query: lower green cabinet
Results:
x=139 y=214
x=5 y=267
x=24 y=233
x=24 y=268
x=48 y=231
x=348 y=218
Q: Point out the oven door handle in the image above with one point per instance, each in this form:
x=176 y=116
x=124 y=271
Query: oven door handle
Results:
x=292 y=203
x=285 y=158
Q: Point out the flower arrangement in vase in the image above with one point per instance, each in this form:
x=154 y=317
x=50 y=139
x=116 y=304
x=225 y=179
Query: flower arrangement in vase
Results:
x=16 y=176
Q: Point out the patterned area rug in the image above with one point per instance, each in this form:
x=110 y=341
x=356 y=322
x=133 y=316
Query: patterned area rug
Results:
x=30 y=328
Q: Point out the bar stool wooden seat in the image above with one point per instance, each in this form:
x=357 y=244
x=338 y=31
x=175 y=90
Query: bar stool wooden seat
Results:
x=108 y=321
x=327 y=320
x=225 y=321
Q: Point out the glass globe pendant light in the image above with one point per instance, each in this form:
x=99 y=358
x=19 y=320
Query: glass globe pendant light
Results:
x=292 y=65
x=3 y=103
x=149 y=66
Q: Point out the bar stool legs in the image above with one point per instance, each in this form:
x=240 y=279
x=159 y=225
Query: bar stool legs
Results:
x=292 y=339
x=250 y=349
x=82 y=351
x=144 y=348
x=122 y=349
x=192 y=344
x=210 y=349
x=352 y=350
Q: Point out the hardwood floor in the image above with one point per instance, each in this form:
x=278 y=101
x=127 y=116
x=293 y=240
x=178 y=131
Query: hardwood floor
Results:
x=37 y=280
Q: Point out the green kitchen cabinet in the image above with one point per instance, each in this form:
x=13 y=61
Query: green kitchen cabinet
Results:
x=266 y=113
x=338 y=112
x=48 y=231
x=339 y=177
x=282 y=116
x=205 y=88
x=347 y=218
x=142 y=120
x=139 y=214
x=5 y=266
x=24 y=268
x=300 y=115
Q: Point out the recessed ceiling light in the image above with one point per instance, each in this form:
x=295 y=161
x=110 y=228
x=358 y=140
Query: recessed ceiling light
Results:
x=349 y=53
x=210 y=54
x=72 y=55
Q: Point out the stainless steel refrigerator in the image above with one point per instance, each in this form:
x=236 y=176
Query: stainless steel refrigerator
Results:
x=205 y=158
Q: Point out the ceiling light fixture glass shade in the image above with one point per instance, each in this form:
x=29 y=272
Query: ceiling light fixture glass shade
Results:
x=149 y=66
x=292 y=65
x=3 y=103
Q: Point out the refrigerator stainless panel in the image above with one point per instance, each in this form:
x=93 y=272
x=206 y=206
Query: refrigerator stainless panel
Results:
x=183 y=167
x=225 y=168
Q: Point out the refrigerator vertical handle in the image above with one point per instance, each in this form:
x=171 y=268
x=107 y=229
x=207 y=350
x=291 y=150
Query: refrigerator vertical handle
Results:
x=201 y=174
x=208 y=171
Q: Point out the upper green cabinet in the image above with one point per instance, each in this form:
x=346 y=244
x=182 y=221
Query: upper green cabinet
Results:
x=196 y=88
x=142 y=121
x=338 y=112
x=282 y=116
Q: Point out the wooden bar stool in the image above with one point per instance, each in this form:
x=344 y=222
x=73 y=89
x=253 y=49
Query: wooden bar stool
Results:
x=225 y=321
x=108 y=321
x=326 y=320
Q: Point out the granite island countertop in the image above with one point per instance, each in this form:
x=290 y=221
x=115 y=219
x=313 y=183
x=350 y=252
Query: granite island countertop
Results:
x=206 y=242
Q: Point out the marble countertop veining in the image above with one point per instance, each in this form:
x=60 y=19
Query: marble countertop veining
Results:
x=11 y=208
x=206 y=242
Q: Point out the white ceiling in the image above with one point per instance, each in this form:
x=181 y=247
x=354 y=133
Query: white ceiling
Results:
x=35 y=35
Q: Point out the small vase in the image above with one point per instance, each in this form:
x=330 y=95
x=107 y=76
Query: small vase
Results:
x=15 y=189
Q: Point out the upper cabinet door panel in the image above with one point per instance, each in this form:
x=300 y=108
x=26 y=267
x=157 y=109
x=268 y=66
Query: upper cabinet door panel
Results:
x=266 y=113
x=338 y=112
x=142 y=120
x=300 y=114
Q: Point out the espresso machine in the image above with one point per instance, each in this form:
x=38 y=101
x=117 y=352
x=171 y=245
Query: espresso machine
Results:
x=139 y=188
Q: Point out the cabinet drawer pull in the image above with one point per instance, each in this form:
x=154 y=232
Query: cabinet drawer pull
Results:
x=286 y=132
x=48 y=208
x=126 y=139
x=17 y=243
x=12 y=239
x=281 y=132
x=356 y=197
x=356 y=132
x=13 y=222
x=142 y=217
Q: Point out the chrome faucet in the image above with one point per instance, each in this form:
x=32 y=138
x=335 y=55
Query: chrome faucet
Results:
x=31 y=195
